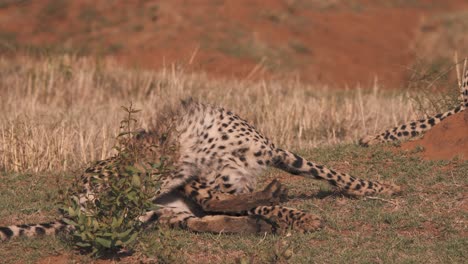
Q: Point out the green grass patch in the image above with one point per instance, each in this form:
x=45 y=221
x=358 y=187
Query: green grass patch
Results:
x=426 y=223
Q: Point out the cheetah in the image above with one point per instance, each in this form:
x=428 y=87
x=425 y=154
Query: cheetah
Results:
x=211 y=188
x=416 y=128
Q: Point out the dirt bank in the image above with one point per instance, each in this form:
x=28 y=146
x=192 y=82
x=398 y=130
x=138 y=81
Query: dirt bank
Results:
x=445 y=141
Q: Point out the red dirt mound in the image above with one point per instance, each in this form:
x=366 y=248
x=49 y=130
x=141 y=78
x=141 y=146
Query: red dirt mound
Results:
x=445 y=141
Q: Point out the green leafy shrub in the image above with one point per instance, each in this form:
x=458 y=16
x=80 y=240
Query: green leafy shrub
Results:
x=108 y=222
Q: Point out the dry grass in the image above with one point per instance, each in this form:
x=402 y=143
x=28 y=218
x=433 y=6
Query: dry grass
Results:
x=61 y=112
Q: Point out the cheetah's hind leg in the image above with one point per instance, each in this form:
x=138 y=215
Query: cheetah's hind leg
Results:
x=212 y=200
x=174 y=218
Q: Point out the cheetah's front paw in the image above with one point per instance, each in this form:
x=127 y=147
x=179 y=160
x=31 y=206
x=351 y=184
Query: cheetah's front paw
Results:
x=389 y=188
x=307 y=223
x=369 y=140
x=372 y=188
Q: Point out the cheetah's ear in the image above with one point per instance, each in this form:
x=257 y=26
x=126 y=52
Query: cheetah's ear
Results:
x=140 y=133
x=187 y=102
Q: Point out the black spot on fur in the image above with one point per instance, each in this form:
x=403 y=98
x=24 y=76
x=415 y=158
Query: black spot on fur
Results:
x=6 y=231
x=243 y=150
x=257 y=154
x=298 y=162
x=46 y=225
x=332 y=182
x=314 y=173
x=194 y=193
x=40 y=231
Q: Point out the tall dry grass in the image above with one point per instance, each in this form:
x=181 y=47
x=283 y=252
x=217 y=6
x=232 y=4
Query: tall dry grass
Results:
x=59 y=113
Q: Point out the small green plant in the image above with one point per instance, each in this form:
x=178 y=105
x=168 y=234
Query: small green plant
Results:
x=108 y=221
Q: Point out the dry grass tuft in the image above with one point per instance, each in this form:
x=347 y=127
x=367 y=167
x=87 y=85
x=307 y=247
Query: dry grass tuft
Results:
x=61 y=112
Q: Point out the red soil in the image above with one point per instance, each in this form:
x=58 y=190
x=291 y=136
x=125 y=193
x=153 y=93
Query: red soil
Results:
x=445 y=141
x=341 y=44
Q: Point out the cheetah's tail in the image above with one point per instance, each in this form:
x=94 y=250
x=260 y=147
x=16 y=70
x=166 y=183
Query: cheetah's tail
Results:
x=32 y=230
x=409 y=130
x=415 y=128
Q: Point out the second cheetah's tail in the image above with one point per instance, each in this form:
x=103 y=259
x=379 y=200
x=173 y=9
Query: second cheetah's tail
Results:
x=415 y=128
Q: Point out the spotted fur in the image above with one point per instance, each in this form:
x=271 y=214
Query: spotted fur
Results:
x=212 y=187
x=416 y=128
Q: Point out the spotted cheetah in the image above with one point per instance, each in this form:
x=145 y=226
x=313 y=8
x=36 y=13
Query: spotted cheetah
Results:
x=415 y=128
x=212 y=186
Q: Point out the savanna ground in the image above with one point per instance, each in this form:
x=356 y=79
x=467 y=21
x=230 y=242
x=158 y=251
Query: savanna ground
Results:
x=48 y=135
x=276 y=64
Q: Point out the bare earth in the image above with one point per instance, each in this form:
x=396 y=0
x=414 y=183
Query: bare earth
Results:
x=445 y=141
x=341 y=43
